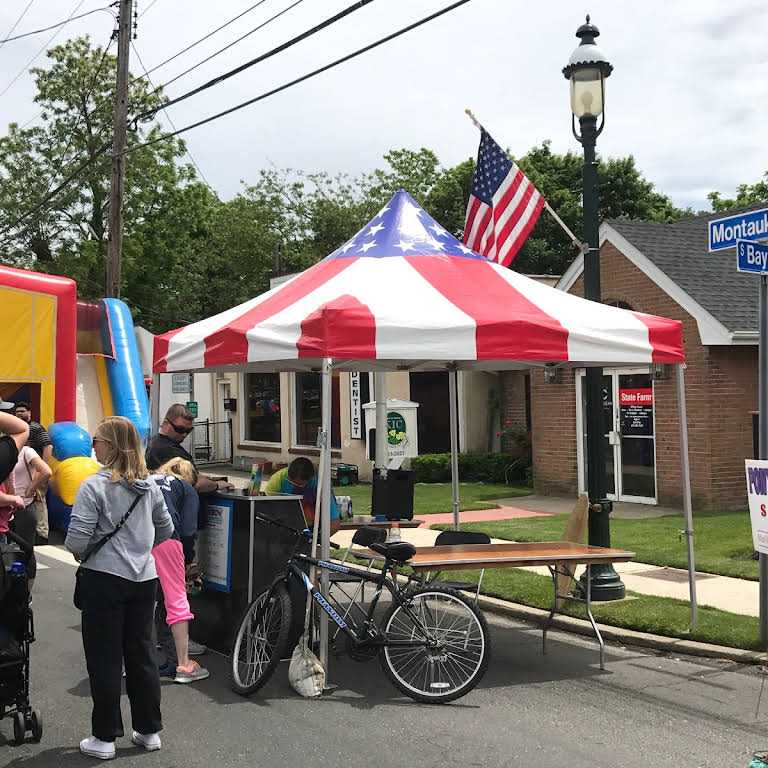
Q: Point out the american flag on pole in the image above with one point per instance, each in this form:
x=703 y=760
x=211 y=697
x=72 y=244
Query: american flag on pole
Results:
x=503 y=205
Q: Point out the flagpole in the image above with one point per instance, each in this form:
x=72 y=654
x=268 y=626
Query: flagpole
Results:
x=583 y=247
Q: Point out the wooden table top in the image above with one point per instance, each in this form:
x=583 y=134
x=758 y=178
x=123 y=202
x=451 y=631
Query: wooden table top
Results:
x=358 y=521
x=512 y=555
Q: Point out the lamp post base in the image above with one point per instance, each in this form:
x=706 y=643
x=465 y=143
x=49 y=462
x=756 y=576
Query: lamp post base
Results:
x=606 y=584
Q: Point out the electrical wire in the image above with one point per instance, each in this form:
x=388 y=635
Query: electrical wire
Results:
x=189 y=154
x=54 y=26
x=248 y=64
x=202 y=39
x=301 y=79
x=18 y=21
x=147 y=8
x=44 y=48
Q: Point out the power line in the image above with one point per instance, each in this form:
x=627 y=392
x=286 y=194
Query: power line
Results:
x=147 y=8
x=202 y=39
x=18 y=21
x=227 y=47
x=279 y=49
x=189 y=154
x=54 y=26
x=31 y=61
x=301 y=79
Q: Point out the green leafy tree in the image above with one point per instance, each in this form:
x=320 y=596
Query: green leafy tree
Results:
x=746 y=194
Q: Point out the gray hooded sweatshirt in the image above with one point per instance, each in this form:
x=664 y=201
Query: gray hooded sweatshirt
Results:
x=99 y=506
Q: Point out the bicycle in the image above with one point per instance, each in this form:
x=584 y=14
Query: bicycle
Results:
x=432 y=643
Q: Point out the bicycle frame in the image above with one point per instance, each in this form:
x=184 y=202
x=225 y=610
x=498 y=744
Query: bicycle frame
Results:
x=379 y=578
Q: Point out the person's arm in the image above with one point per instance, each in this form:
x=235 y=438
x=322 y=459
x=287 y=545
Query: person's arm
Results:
x=41 y=476
x=205 y=484
x=47 y=453
x=161 y=517
x=83 y=520
x=189 y=508
x=16 y=429
x=11 y=500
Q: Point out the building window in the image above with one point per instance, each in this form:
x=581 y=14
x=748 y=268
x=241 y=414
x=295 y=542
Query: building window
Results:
x=307 y=407
x=262 y=415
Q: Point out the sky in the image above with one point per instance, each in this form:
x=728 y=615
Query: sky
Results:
x=684 y=97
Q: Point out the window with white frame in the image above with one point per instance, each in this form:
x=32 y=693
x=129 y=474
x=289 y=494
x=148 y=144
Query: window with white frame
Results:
x=262 y=407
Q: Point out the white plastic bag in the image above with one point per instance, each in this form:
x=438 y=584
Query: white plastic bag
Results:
x=305 y=673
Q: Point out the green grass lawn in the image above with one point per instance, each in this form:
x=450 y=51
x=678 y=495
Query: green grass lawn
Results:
x=722 y=540
x=436 y=498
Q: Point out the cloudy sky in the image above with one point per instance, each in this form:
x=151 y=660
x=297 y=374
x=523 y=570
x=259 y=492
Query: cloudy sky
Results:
x=684 y=97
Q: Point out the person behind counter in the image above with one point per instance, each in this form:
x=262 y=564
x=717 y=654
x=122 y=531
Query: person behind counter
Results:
x=166 y=445
x=117 y=586
x=173 y=559
x=299 y=478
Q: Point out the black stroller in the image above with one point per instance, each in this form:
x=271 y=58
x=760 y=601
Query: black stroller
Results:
x=17 y=631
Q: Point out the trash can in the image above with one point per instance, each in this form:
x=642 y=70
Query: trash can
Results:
x=393 y=494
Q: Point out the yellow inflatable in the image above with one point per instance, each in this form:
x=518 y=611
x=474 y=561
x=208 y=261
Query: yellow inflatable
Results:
x=68 y=474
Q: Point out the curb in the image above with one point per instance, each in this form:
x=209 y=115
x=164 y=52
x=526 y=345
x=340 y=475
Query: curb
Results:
x=620 y=635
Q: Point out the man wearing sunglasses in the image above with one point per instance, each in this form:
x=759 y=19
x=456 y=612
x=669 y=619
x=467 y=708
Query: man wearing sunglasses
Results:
x=167 y=444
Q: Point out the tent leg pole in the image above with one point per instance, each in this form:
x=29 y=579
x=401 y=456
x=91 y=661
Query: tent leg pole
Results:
x=686 y=475
x=380 y=443
x=325 y=503
x=452 y=395
x=154 y=406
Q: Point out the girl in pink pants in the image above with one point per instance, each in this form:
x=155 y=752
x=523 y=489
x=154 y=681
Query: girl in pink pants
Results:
x=176 y=479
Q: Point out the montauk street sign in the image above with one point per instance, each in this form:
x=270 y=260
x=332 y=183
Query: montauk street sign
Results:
x=723 y=233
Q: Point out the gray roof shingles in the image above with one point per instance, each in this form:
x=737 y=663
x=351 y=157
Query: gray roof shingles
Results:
x=680 y=250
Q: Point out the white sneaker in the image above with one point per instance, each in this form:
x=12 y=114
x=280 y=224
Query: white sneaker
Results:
x=93 y=747
x=150 y=741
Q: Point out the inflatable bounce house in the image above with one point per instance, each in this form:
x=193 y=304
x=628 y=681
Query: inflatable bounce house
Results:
x=75 y=363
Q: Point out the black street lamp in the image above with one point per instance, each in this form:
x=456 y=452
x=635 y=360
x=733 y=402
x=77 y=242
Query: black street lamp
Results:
x=587 y=69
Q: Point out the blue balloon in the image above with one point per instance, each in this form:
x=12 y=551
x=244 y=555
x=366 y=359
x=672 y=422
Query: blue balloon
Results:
x=69 y=439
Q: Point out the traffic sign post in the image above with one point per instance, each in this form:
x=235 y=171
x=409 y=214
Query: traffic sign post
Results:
x=751 y=257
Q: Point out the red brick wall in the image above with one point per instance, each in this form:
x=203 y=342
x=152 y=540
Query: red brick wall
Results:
x=512 y=401
x=721 y=391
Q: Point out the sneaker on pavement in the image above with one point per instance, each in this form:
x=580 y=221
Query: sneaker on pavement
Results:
x=93 y=747
x=196 y=649
x=150 y=741
x=190 y=673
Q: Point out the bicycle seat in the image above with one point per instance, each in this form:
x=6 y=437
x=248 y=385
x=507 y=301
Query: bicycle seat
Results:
x=399 y=551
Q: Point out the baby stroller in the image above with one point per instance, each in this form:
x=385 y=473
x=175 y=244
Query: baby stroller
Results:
x=17 y=631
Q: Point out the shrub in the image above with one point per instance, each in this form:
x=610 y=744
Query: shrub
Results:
x=501 y=468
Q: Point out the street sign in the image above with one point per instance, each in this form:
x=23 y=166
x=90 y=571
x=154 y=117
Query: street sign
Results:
x=757 y=494
x=179 y=383
x=752 y=257
x=723 y=233
x=192 y=405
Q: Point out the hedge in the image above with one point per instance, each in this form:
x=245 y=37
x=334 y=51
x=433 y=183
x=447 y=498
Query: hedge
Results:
x=473 y=468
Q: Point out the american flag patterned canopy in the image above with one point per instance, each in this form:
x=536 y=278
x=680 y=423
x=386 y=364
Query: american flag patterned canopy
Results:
x=404 y=294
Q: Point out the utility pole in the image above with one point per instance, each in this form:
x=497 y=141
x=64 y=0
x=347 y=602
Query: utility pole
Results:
x=117 y=178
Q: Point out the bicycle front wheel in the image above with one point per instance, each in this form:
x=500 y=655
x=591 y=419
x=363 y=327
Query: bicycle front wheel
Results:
x=457 y=661
x=261 y=640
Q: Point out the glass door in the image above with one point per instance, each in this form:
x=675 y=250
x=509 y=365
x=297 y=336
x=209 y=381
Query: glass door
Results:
x=628 y=435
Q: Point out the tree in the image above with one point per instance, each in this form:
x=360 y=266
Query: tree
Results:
x=746 y=194
x=163 y=200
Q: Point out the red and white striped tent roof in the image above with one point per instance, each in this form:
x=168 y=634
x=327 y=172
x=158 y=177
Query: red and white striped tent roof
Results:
x=404 y=294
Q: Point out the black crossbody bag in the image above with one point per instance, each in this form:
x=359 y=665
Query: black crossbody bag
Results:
x=79 y=572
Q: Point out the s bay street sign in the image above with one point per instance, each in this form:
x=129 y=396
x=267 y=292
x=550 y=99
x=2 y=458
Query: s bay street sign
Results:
x=723 y=233
x=752 y=257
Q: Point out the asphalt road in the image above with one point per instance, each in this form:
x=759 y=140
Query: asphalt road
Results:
x=530 y=710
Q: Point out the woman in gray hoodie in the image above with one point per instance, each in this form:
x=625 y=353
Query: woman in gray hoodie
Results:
x=117 y=586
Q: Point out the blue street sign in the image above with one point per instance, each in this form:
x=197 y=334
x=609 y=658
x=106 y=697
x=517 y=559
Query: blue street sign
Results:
x=752 y=257
x=723 y=233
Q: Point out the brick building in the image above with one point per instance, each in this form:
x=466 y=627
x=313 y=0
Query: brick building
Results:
x=660 y=269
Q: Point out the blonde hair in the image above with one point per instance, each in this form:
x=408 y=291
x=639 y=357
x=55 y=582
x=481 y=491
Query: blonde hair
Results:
x=181 y=468
x=126 y=457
